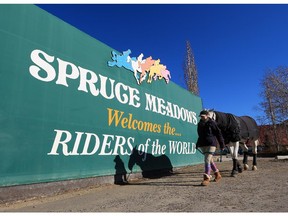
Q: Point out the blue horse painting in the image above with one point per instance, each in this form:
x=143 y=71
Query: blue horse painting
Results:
x=121 y=60
x=124 y=60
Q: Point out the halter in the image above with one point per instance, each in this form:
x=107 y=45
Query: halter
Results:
x=213 y=115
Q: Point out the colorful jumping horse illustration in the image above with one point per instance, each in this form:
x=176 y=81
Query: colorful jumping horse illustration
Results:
x=138 y=65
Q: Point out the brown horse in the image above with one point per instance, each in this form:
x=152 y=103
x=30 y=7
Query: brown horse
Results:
x=145 y=68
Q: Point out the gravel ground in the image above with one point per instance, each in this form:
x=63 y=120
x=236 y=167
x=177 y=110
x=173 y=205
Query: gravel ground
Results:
x=264 y=190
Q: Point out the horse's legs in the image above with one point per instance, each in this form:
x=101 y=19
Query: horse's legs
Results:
x=136 y=77
x=254 y=151
x=244 y=147
x=150 y=77
x=142 y=76
x=234 y=147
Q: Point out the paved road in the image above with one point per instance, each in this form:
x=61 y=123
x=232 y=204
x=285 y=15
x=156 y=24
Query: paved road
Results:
x=264 y=190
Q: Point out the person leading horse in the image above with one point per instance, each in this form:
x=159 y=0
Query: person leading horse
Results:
x=238 y=131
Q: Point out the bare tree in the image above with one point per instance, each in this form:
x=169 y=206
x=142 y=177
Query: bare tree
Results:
x=275 y=94
x=190 y=71
x=275 y=98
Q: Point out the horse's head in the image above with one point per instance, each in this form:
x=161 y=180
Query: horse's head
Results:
x=136 y=157
x=212 y=114
x=149 y=62
x=127 y=52
x=157 y=62
x=133 y=158
x=140 y=57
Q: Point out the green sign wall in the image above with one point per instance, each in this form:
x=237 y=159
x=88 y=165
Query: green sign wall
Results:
x=65 y=114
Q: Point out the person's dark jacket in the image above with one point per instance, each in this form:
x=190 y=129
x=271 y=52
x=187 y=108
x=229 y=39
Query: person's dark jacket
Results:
x=208 y=133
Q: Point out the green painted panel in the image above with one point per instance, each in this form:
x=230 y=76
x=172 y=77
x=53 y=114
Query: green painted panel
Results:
x=58 y=119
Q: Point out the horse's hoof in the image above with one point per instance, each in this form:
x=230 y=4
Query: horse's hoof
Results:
x=254 y=168
x=234 y=173
x=246 y=167
x=239 y=169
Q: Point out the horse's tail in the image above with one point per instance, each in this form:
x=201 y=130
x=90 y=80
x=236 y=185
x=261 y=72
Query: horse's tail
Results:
x=168 y=74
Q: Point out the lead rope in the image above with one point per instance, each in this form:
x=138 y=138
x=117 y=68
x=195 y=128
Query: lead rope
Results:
x=221 y=153
x=129 y=176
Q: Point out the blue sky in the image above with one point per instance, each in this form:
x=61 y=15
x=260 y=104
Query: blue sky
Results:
x=233 y=44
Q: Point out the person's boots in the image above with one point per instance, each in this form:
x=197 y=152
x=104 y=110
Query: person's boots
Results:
x=206 y=180
x=217 y=176
x=234 y=169
x=239 y=167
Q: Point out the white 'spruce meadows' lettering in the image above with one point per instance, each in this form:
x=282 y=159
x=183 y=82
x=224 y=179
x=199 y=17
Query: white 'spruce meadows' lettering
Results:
x=96 y=84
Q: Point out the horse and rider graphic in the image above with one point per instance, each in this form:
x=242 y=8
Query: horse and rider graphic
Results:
x=145 y=67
